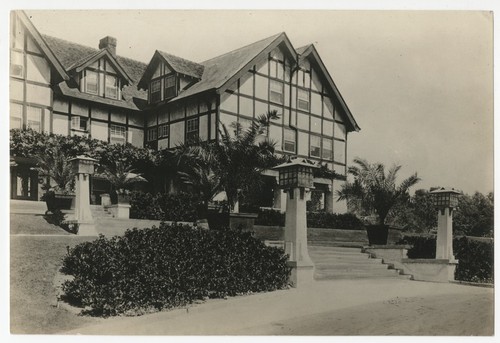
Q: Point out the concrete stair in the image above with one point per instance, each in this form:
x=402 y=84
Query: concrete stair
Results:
x=348 y=262
x=99 y=212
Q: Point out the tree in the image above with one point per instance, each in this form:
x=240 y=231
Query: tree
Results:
x=373 y=191
x=233 y=163
x=474 y=215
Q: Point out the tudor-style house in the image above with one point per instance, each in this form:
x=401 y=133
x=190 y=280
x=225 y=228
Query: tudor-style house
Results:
x=65 y=88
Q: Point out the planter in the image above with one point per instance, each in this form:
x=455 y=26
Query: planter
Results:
x=377 y=234
x=123 y=199
x=242 y=221
x=58 y=201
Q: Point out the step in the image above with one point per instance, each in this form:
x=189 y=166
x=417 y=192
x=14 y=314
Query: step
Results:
x=350 y=267
x=340 y=274
x=351 y=276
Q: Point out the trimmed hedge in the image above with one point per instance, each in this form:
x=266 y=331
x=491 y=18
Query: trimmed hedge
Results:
x=153 y=269
x=475 y=257
x=171 y=207
x=320 y=220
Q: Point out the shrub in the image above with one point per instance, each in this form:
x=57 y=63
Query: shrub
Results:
x=325 y=220
x=153 y=269
x=270 y=218
x=475 y=257
x=170 y=207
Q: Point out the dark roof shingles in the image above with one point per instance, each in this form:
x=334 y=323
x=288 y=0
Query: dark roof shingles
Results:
x=182 y=65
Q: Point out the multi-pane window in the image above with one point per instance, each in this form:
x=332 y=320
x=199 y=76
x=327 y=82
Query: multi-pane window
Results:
x=303 y=78
x=16 y=64
x=315 y=147
x=170 y=89
x=111 y=90
x=192 y=129
x=303 y=100
x=289 y=141
x=276 y=92
x=152 y=134
x=79 y=123
x=327 y=152
x=117 y=134
x=91 y=82
x=34 y=118
x=16 y=116
x=276 y=69
x=163 y=131
x=155 y=91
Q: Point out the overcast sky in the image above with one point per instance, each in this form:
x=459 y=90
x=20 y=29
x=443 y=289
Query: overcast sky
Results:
x=420 y=84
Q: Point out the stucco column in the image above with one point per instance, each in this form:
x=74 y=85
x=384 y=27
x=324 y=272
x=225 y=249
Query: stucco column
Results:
x=444 y=242
x=296 y=237
x=279 y=199
x=331 y=197
x=83 y=167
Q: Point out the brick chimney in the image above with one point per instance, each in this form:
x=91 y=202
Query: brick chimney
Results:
x=109 y=43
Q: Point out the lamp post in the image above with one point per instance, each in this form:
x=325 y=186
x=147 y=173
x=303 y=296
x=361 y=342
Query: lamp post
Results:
x=83 y=167
x=296 y=179
x=445 y=200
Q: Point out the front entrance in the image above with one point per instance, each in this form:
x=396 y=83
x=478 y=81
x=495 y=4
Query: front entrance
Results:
x=23 y=183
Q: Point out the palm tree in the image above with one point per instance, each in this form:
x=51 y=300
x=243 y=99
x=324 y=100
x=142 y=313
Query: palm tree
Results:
x=121 y=176
x=234 y=163
x=53 y=162
x=373 y=191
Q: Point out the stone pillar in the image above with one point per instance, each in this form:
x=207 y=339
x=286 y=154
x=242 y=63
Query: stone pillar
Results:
x=444 y=241
x=83 y=167
x=331 y=203
x=279 y=199
x=296 y=237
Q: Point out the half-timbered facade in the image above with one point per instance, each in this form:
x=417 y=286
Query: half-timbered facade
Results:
x=66 y=88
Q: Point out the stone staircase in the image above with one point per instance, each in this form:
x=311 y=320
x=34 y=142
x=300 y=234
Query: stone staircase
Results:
x=341 y=262
x=99 y=212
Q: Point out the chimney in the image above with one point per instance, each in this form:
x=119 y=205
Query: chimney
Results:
x=109 y=43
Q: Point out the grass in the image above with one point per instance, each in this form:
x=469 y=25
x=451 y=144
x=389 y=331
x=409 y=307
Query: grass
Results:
x=33 y=224
x=34 y=265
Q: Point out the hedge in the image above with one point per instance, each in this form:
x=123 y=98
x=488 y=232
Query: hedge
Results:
x=475 y=257
x=170 y=207
x=321 y=220
x=159 y=268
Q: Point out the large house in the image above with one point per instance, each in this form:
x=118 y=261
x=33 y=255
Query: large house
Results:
x=65 y=88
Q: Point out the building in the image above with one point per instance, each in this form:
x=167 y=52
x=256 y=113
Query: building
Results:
x=66 y=88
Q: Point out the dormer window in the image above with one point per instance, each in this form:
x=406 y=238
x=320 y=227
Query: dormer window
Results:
x=170 y=89
x=167 y=83
x=100 y=79
x=155 y=90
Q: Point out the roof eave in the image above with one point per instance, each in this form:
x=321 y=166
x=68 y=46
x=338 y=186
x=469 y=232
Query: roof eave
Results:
x=56 y=64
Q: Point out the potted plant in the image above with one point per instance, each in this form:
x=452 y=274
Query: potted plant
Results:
x=53 y=164
x=373 y=194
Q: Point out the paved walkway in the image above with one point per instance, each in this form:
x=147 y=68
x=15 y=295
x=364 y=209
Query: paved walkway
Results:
x=253 y=314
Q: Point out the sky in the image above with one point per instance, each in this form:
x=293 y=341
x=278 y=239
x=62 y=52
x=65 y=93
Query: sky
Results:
x=419 y=83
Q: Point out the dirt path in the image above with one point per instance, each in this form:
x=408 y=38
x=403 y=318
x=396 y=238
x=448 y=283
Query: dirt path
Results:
x=448 y=315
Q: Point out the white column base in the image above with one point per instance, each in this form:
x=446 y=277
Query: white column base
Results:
x=302 y=273
x=86 y=229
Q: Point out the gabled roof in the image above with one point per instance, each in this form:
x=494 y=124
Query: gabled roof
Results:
x=70 y=54
x=221 y=71
x=177 y=64
x=88 y=60
x=310 y=52
x=53 y=61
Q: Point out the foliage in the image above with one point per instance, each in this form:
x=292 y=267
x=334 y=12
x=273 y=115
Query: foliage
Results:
x=159 y=268
x=171 y=207
x=374 y=191
x=236 y=160
x=342 y=221
x=325 y=172
x=474 y=215
x=270 y=218
x=475 y=256
x=53 y=163
x=416 y=215
x=314 y=205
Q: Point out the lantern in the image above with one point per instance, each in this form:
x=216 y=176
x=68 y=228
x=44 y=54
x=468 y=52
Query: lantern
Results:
x=445 y=198
x=83 y=165
x=298 y=173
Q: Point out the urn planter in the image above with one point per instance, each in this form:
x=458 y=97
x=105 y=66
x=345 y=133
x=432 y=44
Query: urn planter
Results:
x=377 y=234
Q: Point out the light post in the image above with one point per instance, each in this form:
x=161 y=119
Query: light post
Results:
x=296 y=179
x=445 y=200
x=83 y=167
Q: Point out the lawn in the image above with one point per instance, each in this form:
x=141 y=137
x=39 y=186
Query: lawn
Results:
x=34 y=264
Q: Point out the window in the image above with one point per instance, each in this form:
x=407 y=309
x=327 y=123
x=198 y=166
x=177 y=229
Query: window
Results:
x=16 y=64
x=152 y=134
x=170 y=89
x=315 y=147
x=16 y=116
x=117 y=134
x=276 y=92
x=34 y=118
x=155 y=91
x=327 y=152
x=79 y=123
x=192 y=129
x=303 y=100
x=289 y=141
x=111 y=90
x=163 y=131
x=91 y=82
x=276 y=69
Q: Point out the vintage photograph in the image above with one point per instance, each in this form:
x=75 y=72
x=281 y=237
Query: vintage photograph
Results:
x=251 y=172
